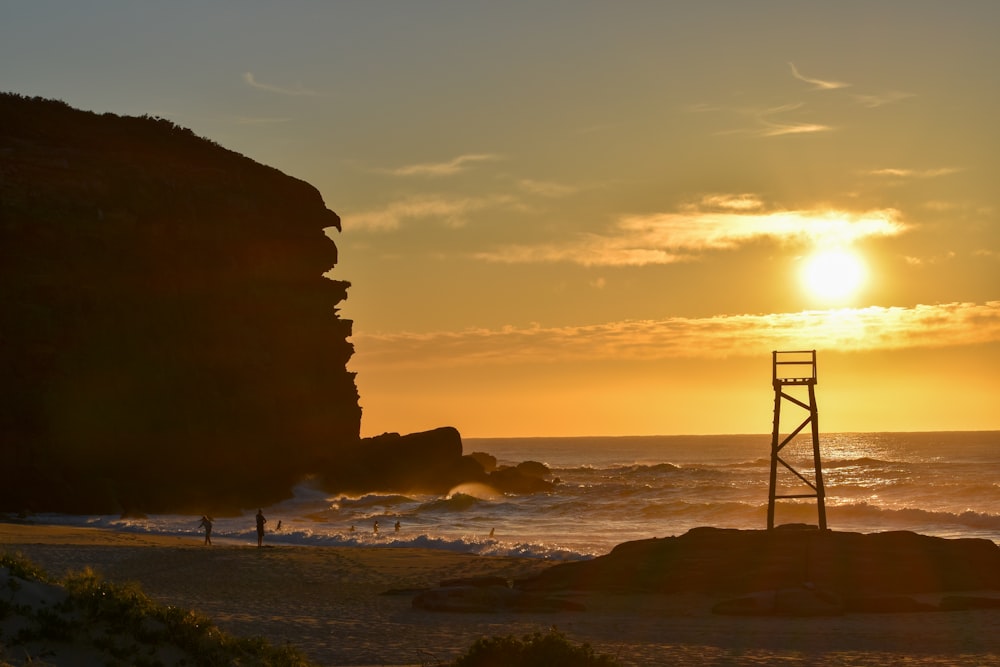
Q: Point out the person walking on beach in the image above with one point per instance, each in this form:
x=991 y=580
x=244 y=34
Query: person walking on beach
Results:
x=206 y=523
x=260 y=527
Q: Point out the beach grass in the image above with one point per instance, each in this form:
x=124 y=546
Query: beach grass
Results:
x=90 y=615
x=84 y=614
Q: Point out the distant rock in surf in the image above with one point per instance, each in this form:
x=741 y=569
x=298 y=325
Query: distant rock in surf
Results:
x=428 y=462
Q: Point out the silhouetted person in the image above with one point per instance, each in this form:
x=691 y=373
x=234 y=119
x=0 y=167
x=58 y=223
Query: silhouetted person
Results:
x=491 y=531
x=397 y=526
x=260 y=527
x=206 y=523
x=375 y=528
x=277 y=528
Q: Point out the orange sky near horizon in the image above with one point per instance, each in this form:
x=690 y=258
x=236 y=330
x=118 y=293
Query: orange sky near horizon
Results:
x=591 y=218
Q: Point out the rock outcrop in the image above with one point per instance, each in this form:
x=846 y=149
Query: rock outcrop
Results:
x=852 y=566
x=168 y=337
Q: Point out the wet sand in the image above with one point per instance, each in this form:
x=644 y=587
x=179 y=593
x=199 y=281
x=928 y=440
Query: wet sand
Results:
x=337 y=605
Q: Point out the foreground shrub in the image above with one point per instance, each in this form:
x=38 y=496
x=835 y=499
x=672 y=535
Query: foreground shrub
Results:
x=537 y=650
x=124 y=623
x=22 y=568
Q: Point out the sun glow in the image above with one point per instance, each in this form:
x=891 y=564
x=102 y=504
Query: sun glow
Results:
x=834 y=275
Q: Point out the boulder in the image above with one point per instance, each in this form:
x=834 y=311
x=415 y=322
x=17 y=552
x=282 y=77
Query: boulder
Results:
x=487 y=461
x=427 y=461
x=533 y=469
x=513 y=480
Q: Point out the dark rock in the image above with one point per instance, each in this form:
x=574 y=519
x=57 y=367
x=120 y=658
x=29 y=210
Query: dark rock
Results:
x=512 y=480
x=728 y=561
x=487 y=461
x=533 y=469
x=427 y=462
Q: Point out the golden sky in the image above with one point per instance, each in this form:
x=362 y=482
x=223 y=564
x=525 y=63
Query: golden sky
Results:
x=596 y=218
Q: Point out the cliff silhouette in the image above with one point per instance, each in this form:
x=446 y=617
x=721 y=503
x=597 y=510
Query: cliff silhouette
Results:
x=170 y=338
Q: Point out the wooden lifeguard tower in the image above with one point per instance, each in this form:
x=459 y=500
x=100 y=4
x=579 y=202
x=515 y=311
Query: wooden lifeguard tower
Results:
x=794 y=371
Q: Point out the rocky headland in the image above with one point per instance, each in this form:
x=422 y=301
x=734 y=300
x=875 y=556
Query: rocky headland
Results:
x=171 y=339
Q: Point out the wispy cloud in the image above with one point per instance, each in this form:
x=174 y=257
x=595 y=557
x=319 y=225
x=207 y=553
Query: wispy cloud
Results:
x=817 y=84
x=547 y=188
x=782 y=129
x=451 y=211
x=769 y=123
x=914 y=173
x=872 y=101
x=931 y=260
x=726 y=336
x=773 y=127
x=719 y=222
x=875 y=101
x=730 y=202
x=296 y=91
x=775 y=122
x=449 y=168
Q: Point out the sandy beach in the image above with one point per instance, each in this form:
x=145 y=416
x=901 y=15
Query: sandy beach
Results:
x=352 y=606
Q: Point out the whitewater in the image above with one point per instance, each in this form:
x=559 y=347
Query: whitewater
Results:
x=611 y=490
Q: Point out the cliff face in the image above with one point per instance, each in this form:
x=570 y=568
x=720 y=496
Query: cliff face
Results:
x=167 y=337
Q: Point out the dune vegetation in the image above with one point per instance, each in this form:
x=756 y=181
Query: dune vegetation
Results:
x=83 y=619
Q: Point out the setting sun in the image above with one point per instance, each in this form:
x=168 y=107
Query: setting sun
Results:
x=834 y=275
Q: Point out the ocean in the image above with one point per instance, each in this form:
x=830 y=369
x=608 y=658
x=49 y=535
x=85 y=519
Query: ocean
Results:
x=611 y=490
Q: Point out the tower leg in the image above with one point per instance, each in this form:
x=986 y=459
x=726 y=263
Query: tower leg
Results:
x=817 y=463
x=772 y=488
